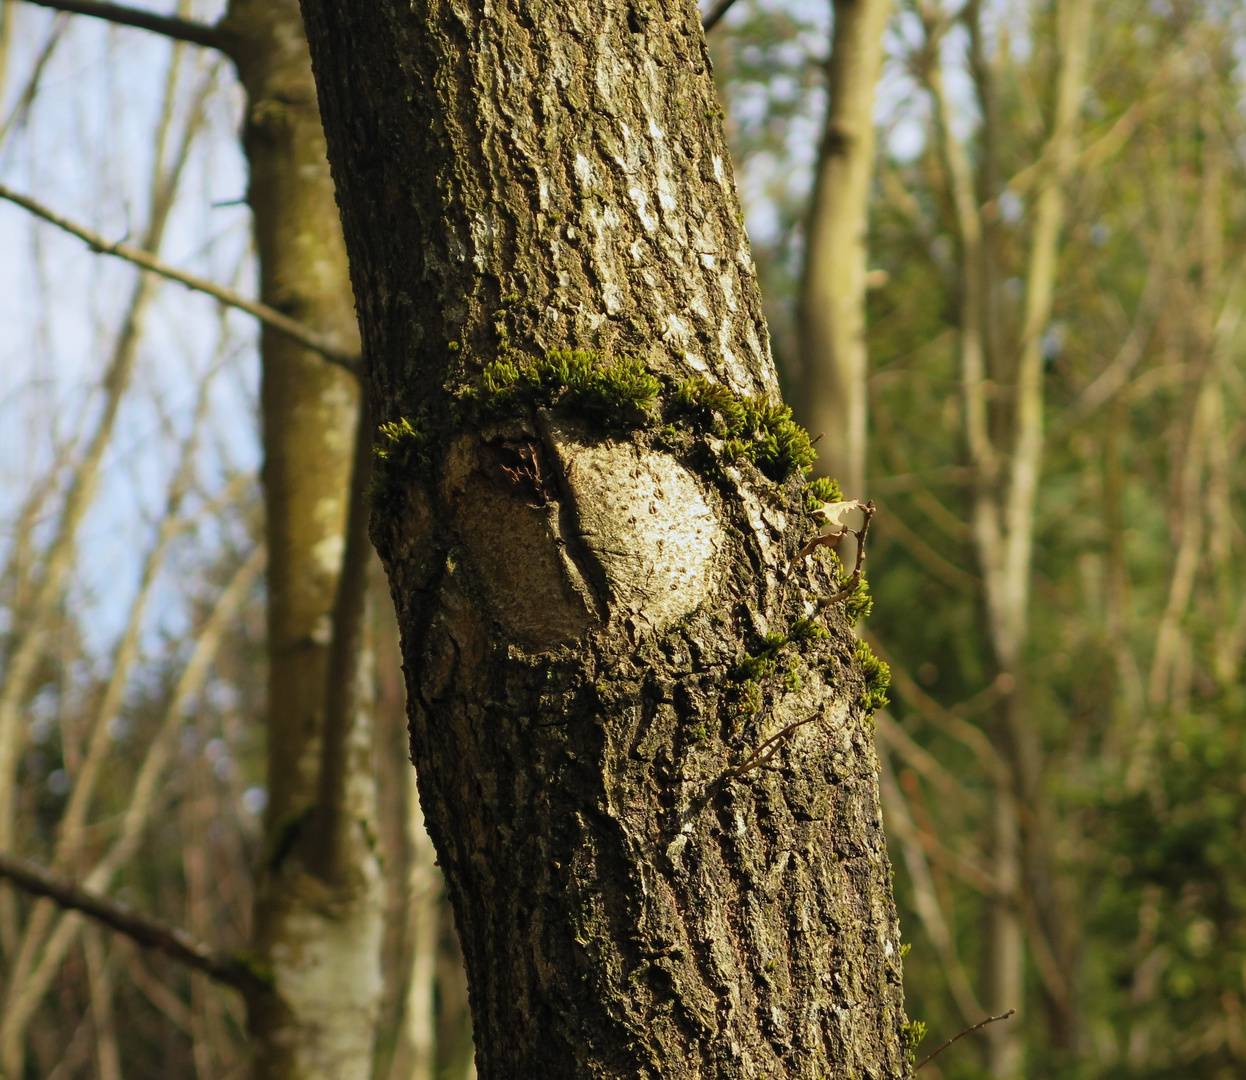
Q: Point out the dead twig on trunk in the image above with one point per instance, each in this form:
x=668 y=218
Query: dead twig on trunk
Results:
x=768 y=749
x=960 y=1035
x=854 y=580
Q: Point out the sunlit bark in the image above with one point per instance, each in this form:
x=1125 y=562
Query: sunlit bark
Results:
x=515 y=182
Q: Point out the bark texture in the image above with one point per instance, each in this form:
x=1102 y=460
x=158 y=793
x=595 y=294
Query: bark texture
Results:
x=586 y=570
x=319 y=940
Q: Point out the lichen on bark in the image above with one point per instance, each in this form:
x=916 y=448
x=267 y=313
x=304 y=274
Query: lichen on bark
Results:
x=639 y=891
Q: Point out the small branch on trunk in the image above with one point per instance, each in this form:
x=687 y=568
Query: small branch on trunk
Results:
x=960 y=1035
x=768 y=749
x=853 y=582
x=715 y=13
x=171 y=941
x=301 y=333
x=194 y=33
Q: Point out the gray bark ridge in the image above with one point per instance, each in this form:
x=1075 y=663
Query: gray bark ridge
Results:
x=589 y=505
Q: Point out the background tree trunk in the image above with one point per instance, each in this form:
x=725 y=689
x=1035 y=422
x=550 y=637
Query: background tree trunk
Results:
x=321 y=940
x=833 y=360
x=637 y=892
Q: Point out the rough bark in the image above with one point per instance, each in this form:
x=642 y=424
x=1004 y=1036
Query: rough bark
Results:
x=832 y=304
x=319 y=939
x=580 y=588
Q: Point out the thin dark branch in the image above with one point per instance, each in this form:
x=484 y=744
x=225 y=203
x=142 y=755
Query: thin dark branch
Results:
x=960 y=1035
x=194 y=33
x=301 y=333
x=328 y=834
x=171 y=941
x=769 y=748
x=855 y=580
x=720 y=8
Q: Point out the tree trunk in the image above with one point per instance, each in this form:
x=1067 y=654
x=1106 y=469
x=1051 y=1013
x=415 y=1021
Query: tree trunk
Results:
x=833 y=359
x=584 y=549
x=321 y=941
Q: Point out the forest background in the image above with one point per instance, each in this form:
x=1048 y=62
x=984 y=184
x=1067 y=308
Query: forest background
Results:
x=1054 y=290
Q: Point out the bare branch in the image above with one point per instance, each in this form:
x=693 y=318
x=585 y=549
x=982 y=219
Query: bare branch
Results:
x=194 y=33
x=23 y=995
x=947 y=571
x=1114 y=377
x=960 y=1035
x=715 y=13
x=971 y=867
x=301 y=333
x=149 y=933
x=80 y=492
x=99 y=980
x=952 y=721
x=891 y=734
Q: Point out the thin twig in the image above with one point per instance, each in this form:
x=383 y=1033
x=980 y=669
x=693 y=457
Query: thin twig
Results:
x=715 y=13
x=196 y=33
x=768 y=749
x=855 y=580
x=21 y=108
x=301 y=333
x=146 y=931
x=968 y=1031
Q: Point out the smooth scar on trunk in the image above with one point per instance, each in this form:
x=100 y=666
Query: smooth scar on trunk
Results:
x=608 y=532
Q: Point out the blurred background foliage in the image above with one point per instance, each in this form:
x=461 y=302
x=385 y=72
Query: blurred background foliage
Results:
x=1135 y=944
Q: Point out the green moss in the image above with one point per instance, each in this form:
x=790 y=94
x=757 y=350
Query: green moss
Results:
x=911 y=1035
x=712 y=404
x=755 y=667
x=734 y=450
x=750 y=698
x=765 y=661
x=792 y=683
x=859 y=604
x=753 y=428
x=399 y=445
x=905 y=949
x=877 y=678
x=699 y=733
x=571 y=377
x=822 y=489
x=808 y=630
x=394 y=437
